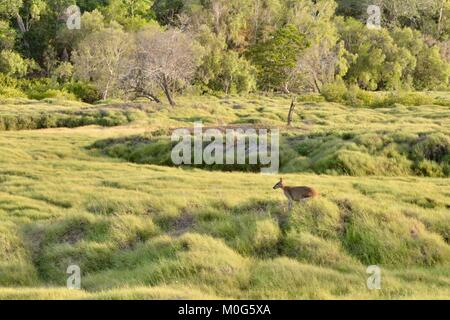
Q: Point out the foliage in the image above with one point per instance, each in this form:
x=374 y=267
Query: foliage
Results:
x=277 y=57
x=167 y=58
x=100 y=58
x=270 y=45
x=12 y=64
x=223 y=70
x=83 y=91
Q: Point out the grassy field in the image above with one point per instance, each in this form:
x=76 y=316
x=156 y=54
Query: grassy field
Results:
x=96 y=197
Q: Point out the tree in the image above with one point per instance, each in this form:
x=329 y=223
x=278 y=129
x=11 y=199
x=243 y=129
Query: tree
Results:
x=428 y=16
x=138 y=81
x=380 y=64
x=37 y=22
x=276 y=58
x=228 y=19
x=7 y=35
x=167 y=58
x=222 y=69
x=67 y=40
x=322 y=63
x=12 y=64
x=30 y=13
x=431 y=71
x=167 y=10
x=419 y=14
x=291 y=112
x=263 y=19
x=101 y=58
x=63 y=72
x=133 y=14
x=10 y=8
x=26 y=13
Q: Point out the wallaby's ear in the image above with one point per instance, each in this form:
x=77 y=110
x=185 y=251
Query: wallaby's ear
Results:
x=281 y=179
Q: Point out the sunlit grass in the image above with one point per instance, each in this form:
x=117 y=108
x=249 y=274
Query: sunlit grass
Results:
x=152 y=232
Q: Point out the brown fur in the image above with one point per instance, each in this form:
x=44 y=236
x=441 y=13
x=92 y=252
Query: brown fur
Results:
x=296 y=193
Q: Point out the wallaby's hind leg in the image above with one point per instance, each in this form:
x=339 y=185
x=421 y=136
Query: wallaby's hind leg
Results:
x=290 y=205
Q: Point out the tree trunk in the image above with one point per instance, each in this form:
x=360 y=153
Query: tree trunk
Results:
x=23 y=30
x=105 y=92
x=441 y=15
x=151 y=97
x=291 y=112
x=146 y=94
x=20 y=23
x=317 y=86
x=167 y=92
x=286 y=88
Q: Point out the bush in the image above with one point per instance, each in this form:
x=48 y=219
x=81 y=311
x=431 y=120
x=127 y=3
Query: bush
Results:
x=63 y=72
x=8 y=92
x=320 y=217
x=70 y=118
x=9 y=87
x=128 y=229
x=410 y=99
x=51 y=94
x=47 y=121
x=352 y=96
x=83 y=91
x=7 y=81
x=12 y=63
x=334 y=92
x=356 y=97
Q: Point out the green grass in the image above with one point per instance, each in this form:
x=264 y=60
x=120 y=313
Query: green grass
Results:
x=326 y=138
x=143 y=231
x=51 y=113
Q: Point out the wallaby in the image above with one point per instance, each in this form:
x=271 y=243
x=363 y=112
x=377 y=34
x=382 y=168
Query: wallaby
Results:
x=296 y=193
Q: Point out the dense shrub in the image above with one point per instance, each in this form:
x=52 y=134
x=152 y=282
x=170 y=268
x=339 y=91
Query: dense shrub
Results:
x=10 y=92
x=356 y=97
x=334 y=92
x=10 y=87
x=45 y=88
x=83 y=91
x=51 y=94
x=40 y=89
x=410 y=99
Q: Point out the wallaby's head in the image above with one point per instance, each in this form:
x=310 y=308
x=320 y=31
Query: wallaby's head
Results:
x=279 y=184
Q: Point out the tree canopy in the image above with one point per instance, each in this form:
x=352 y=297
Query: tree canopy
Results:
x=230 y=46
